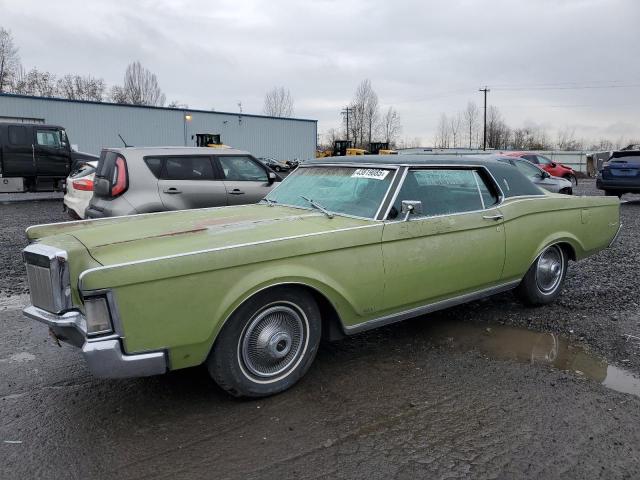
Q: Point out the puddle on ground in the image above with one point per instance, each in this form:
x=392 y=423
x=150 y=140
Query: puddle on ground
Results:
x=509 y=343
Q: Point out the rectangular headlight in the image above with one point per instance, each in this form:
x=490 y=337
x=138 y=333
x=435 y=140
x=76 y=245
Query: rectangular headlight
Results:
x=98 y=317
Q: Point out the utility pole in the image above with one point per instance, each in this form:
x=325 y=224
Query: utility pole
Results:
x=484 y=141
x=346 y=112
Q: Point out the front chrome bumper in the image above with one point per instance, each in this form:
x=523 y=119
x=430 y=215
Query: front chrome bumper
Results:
x=104 y=355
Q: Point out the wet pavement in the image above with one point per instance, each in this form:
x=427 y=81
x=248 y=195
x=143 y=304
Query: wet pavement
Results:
x=490 y=389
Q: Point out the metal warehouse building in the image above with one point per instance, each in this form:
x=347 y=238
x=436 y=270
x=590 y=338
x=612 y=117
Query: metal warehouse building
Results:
x=93 y=125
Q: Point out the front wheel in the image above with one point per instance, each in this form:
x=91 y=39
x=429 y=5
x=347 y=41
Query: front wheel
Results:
x=543 y=282
x=268 y=343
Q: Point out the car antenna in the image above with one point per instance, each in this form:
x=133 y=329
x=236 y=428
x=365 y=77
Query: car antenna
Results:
x=123 y=141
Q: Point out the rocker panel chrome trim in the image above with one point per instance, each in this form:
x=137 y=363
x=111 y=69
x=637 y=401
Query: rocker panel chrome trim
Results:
x=431 y=307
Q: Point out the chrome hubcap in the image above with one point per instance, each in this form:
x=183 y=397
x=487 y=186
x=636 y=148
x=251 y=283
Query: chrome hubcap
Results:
x=273 y=342
x=550 y=269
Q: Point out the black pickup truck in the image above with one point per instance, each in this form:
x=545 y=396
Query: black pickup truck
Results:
x=36 y=157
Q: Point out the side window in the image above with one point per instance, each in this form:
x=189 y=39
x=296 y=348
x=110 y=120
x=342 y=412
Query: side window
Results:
x=443 y=192
x=48 y=138
x=543 y=160
x=528 y=170
x=187 y=168
x=489 y=195
x=531 y=158
x=155 y=165
x=242 y=168
x=19 y=136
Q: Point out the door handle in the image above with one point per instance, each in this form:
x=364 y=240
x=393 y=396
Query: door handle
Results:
x=493 y=217
x=172 y=190
x=236 y=191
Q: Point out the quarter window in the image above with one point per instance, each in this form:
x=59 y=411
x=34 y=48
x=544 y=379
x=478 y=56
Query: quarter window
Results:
x=242 y=169
x=444 y=192
x=187 y=168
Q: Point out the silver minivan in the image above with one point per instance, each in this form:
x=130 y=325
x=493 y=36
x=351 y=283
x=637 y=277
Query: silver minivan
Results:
x=135 y=180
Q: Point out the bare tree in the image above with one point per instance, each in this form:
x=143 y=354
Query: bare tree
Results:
x=443 y=133
x=77 y=87
x=455 y=123
x=471 y=115
x=363 y=114
x=567 y=140
x=140 y=88
x=391 y=127
x=9 y=60
x=278 y=102
x=35 y=82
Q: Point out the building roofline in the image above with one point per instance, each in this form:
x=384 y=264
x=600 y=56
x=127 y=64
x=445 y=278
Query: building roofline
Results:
x=189 y=110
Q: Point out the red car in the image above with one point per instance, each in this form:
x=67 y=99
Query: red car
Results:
x=555 y=169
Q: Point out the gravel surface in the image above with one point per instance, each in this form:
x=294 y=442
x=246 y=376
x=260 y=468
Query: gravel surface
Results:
x=15 y=218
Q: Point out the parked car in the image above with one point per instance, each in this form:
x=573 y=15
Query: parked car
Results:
x=539 y=176
x=553 y=168
x=36 y=157
x=335 y=249
x=293 y=163
x=141 y=180
x=277 y=165
x=79 y=190
x=620 y=174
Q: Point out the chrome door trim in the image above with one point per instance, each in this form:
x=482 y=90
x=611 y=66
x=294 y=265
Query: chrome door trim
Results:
x=429 y=308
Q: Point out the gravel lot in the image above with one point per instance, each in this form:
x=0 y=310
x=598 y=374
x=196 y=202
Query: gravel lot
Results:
x=441 y=398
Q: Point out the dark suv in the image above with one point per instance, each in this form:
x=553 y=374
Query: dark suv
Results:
x=36 y=157
x=621 y=173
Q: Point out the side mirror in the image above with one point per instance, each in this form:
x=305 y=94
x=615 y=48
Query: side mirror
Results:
x=544 y=174
x=553 y=164
x=271 y=178
x=411 y=207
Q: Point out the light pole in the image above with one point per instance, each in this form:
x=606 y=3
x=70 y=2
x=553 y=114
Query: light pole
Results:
x=186 y=117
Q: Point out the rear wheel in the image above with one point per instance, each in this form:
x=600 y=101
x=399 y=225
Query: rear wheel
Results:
x=543 y=282
x=268 y=343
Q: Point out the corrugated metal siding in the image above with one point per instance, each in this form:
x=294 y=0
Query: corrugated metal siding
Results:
x=93 y=126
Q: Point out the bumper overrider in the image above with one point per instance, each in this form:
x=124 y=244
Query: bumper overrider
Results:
x=100 y=338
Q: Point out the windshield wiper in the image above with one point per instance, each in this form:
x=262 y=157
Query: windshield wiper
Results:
x=270 y=202
x=318 y=206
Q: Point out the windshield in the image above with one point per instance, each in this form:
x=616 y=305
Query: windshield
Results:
x=347 y=190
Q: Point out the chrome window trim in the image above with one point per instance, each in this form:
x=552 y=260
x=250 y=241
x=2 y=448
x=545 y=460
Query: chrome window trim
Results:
x=347 y=165
x=474 y=168
x=429 y=308
x=217 y=249
x=475 y=177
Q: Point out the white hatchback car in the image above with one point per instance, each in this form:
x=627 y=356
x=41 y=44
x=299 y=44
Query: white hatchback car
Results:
x=80 y=190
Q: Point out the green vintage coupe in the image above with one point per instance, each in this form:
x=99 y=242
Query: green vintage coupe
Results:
x=336 y=249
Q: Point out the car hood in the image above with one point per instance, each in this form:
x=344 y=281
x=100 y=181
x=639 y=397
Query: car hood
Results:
x=141 y=237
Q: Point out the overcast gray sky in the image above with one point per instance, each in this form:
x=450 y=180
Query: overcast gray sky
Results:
x=423 y=57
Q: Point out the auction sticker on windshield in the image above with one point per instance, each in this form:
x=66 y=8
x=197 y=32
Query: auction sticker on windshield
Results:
x=374 y=173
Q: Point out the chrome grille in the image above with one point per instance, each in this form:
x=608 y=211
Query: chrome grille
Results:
x=48 y=276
